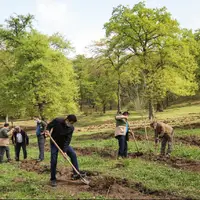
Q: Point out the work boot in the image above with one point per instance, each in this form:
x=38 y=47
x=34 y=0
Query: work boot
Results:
x=53 y=183
x=77 y=176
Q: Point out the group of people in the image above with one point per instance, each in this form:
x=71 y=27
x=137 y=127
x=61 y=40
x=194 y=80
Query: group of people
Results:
x=61 y=130
x=163 y=133
x=20 y=140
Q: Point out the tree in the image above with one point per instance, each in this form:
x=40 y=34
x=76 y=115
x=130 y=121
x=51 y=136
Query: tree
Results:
x=115 y=58
x=156 y=39
x=42 y=80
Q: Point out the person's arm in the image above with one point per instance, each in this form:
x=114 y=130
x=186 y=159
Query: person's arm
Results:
x=50 y=126
x=162 y=132
x=26 y=138
x=156 y=135
x=121 y=117
x=13 y=138
x=44 y=124
x=69 y=133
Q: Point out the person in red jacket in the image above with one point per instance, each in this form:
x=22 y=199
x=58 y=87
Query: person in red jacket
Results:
x=20 y=140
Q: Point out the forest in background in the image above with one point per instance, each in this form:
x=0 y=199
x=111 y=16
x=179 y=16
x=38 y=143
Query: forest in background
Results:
x=145 y=62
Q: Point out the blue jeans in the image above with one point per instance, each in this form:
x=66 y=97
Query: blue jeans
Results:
x=54 y=156
x=41 y=143
x=123 y=146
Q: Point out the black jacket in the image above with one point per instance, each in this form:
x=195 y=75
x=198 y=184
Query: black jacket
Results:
x=25 y=139
x=62 y=133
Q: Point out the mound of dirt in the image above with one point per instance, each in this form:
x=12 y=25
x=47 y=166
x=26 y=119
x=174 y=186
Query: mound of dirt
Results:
x=192 y=140
x=181 y=163
x=94 y=136
x=123 y=189
x=108 y=186
x=103 y=152
x=33 y=165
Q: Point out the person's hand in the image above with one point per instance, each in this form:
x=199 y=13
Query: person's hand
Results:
x=46 y=133
x=12 y=130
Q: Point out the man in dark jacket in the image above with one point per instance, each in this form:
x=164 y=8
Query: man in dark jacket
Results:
x=20 y=140
x=61 y=131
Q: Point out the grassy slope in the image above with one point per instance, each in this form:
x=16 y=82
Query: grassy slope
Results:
x=152 y=175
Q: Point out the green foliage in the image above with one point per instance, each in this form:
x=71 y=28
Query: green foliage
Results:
x=162 y=48
x=37 y=77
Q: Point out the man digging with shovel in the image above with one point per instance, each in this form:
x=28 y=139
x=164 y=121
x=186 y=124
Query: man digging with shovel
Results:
x=164 y=132
x=61 y=134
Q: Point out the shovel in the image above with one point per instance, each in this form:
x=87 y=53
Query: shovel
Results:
x=135 y=142
x=66 y=157
x=138 y=152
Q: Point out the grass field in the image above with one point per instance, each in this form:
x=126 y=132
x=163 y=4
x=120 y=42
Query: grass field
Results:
x=145 y=176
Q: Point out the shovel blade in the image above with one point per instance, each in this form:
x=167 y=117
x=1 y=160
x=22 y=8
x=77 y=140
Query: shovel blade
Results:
x=85 y=181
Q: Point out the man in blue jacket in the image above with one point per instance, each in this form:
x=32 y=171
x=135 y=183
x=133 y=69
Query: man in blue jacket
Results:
x=61 y=131
x=40 y=129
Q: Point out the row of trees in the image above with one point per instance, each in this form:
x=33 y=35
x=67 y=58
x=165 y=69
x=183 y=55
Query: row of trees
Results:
x=144 y=59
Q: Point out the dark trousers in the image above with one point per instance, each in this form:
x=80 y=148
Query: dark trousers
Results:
x=8 y=153
x=18 y=147
x=164 y=142
x=54 y=156
x=2 y=151
x=123 y=146
x=41 y=143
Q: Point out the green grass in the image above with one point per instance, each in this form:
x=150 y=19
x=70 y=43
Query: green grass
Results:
x=153 y=175
x=18 y=183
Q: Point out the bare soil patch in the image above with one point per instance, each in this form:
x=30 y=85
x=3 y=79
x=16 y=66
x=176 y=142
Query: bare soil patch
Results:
x=180 y=163
x=108 y=135
x=103 y=152
x=107 y=186
x=191 y=140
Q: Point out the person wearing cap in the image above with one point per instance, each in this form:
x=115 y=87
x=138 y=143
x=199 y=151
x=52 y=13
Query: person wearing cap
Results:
x=61 y=130
x=122 y=133
x=20 y=140
x=165 y=133
x=40 y=129
x=5 y=132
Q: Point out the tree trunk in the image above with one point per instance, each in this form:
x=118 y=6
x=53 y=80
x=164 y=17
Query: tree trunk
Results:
x=104 y=108
x=110 y=108
x=159 y=107
x=41 y=109
x=81 y=101
x=6 y=118
x=150 y=110
x=118 y=97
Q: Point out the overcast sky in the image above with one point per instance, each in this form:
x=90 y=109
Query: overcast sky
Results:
x=81 y=21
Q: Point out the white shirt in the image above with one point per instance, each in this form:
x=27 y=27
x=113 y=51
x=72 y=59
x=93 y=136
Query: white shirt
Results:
x=19 y=137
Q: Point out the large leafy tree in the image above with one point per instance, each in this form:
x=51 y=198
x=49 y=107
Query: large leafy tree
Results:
x=156 y=39
x=42 y=80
